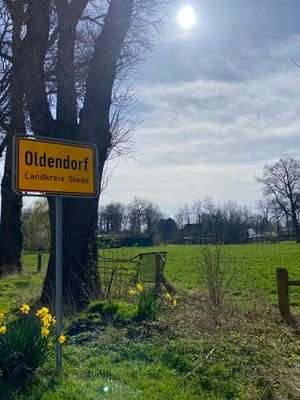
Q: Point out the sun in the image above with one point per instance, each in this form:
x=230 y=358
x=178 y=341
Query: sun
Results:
x=186 y=17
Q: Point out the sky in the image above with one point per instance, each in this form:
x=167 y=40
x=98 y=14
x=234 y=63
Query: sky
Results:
x=215 y=104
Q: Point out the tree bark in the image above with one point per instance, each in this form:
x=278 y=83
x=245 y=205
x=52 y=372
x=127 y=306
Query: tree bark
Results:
x=296 y=226
x=11 y=238
x=68 y=17
x=35 y=45
x=79 y=243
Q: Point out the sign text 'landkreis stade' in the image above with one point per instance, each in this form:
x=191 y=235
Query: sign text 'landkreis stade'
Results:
x=55 y=167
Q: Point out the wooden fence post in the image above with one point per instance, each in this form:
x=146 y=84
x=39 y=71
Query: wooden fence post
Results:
x=283 y=291
x=160 y=279
x=39 y=263
x=110 y=283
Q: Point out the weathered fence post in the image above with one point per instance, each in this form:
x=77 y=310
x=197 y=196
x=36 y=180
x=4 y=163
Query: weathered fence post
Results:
x=39 y=263
x=283 y=291
x=160 y=279
x=110 y=283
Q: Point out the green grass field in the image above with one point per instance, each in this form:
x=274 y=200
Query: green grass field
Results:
x=242 y=350
x=254 y=266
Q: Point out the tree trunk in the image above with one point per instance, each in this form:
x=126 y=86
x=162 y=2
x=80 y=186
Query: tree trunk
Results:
x=295 y=223
x=11 y=237
x=79 y=259
x=297 y=231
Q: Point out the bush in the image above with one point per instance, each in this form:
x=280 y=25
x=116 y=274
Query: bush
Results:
x=216 y=271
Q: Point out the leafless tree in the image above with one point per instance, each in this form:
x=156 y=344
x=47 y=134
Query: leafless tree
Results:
x=111 y=217
x=12 y=122
x=281 y=182
x=216 y=216
x=151 y=217
x=136 y=211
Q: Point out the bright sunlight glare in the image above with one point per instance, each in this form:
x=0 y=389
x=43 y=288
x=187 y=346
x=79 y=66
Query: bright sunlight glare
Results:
x=186 y=17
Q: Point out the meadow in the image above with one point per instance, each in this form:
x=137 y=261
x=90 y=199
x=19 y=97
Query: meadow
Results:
x=241 y=350
x=253 y=267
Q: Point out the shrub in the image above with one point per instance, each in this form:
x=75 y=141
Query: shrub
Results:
x=216 y=271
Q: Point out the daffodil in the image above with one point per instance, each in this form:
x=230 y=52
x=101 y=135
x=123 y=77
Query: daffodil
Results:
x=41 y=313
x=168 y=296
x=2 y=316
x=3 y=329
x=140 y=287
x=62 y=339
x=45 y=332
x=131 y=292
x=53 y=322
x=25 y=309
x=174 y=302
x=50 y=344
x=46 y=320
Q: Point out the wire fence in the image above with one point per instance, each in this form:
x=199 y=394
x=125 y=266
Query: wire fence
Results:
x=119 y=275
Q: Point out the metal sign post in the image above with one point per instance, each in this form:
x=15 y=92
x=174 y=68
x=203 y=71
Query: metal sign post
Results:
x=58 y=279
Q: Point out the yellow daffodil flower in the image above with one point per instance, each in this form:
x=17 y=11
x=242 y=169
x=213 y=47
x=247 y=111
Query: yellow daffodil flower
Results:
x=53 y=322
x=174 y=302
x=62 y=339
x=46 y=321
x=2 y=330
x=168 y=296
x=2 y=316
x=140 y=287
x=41 y=313
x=25 y=309
x=50 y=344
x=131 y=292
x=45 y=332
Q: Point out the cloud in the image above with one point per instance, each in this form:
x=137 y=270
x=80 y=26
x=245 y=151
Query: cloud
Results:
x=213 y=121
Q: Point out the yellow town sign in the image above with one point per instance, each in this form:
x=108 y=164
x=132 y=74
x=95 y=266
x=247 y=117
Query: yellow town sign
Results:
x=54 y=167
